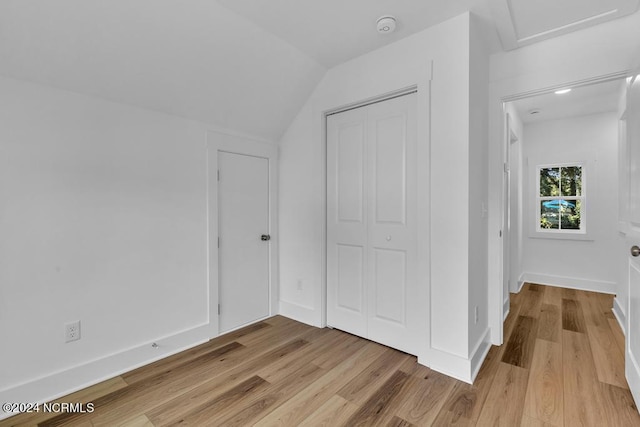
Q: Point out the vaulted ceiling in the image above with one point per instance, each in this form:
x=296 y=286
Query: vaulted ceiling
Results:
x=246 y=65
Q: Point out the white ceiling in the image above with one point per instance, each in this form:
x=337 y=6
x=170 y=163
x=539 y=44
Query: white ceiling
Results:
x=246 y=65
x=194 y=59
x=581 y=101
x=522 y=22
x=334 y=31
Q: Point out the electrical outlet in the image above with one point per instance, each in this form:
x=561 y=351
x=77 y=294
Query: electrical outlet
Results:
x=476 y=314
x=72 y=331
x=299 y=285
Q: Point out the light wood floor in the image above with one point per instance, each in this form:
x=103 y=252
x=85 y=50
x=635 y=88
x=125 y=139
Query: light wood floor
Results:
x=562 y=364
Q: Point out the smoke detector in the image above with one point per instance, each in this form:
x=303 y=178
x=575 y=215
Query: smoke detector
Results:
x=386 y=24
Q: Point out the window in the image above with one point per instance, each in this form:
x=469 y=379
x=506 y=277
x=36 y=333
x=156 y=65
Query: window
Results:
x=561 y=199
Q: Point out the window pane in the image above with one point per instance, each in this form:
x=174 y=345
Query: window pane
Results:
x=549 y=182
x=549 y=214
x=570 y=214
x=571 y=181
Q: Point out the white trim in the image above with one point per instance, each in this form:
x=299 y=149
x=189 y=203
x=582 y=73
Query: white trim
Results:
x=480 y=353
x=506 y=308
x=573 y=84
x=620 y=315
x=216 y=142
x=62 y=383
x=299 y=312
x=571 y=282
x=461 y=368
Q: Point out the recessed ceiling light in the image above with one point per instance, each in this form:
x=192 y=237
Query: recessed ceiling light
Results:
x=563 y=91
x=386 y=24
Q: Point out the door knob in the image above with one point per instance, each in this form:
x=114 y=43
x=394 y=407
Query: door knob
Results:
x=635 y=250
x=265 y=237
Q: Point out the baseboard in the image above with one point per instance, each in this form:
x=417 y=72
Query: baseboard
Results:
x=520 y=283
x=620 y=315
x=480 y=353
x=61 y=383
x=571 y=282
x=300 y=313
x=460 y=368
x=506 y=307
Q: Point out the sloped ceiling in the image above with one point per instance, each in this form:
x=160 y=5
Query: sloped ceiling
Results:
x=334 y=31
x=245 y=65
x=193 y=58
x=522 y=22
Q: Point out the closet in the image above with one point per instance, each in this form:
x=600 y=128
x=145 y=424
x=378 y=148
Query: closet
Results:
x=371 y=223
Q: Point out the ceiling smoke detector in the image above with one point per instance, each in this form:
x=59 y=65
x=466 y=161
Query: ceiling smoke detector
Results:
x=386 y=24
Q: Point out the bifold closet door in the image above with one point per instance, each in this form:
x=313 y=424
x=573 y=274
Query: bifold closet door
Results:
x=371 y=223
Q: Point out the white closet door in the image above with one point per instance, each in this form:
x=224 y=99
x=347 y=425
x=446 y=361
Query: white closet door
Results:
x=392 y=205
x=346 y=221
x=371 y=222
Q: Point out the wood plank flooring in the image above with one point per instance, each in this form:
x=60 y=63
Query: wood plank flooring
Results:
x=562 y=364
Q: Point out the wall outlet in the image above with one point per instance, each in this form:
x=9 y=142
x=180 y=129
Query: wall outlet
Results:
x=476 y=314
x=299 y=285
x=72 y=331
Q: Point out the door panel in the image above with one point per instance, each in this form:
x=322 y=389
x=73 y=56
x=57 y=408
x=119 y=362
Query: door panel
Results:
x=346 y=222
x=349 y=180
x=243 y=205
x=392 y=130
x=632 y=358
x=390 y=169
x=390 y=280
x=350 y=277
x=371 y=222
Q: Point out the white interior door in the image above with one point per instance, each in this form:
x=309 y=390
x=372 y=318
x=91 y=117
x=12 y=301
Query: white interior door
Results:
x=632 y=359
x=243 y=215
x=347 y=253
x=372 y=287
x=392 y=282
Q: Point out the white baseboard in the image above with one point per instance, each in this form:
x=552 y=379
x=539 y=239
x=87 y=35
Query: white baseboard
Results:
x=506 y=307
x=620 y=315
x=571 y=282
x=460 y=368
x=479 y=353
x=61 y=383
x=300 y=313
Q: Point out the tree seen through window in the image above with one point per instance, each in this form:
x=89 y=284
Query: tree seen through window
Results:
x=561 y=197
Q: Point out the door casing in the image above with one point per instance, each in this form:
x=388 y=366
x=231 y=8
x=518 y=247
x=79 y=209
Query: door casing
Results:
x=238 y=144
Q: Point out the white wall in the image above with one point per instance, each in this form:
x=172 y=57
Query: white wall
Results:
x=103 y=220
x=583 y=264
x=600 y=50
x=478 y=187
x=444 y=153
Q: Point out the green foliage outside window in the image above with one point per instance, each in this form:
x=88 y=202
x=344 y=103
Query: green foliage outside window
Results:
x=561 y=197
